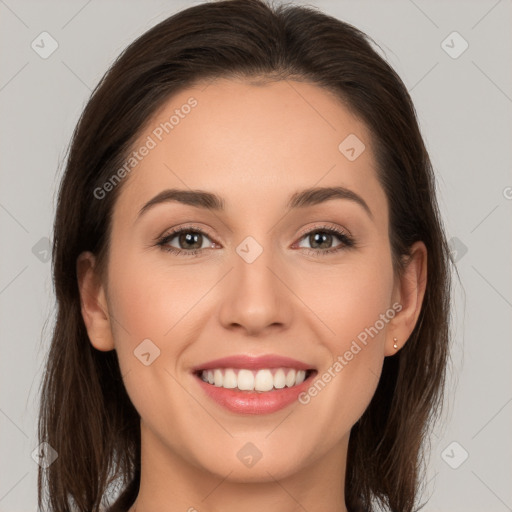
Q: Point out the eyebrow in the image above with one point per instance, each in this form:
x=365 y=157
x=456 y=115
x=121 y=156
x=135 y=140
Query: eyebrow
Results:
x=210 y=201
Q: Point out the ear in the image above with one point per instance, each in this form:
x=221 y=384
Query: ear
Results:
x=409 y=293
x=93 y=303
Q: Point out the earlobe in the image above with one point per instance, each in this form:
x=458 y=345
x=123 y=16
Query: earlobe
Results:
x=93 y=302
x=410 y=292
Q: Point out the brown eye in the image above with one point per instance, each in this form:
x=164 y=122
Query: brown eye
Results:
x=321 y=241
x=190 y=241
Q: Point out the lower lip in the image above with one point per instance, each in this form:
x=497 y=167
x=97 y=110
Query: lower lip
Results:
x=254 y=402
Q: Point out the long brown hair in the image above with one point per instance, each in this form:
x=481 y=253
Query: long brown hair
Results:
x=86 y=415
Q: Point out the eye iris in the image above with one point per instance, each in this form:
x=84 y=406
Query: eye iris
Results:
x=190 y=237
x=321 y=235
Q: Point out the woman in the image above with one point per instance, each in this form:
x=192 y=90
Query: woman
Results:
x=247 y=369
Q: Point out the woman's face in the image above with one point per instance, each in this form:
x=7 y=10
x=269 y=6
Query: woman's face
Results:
x=269 y=280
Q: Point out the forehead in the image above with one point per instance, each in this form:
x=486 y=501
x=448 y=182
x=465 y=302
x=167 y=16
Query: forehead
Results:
x=252 y=144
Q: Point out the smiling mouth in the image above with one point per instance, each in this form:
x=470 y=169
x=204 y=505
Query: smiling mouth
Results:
x=263 y=380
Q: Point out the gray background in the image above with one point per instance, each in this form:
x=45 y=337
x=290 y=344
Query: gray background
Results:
x=464 y=105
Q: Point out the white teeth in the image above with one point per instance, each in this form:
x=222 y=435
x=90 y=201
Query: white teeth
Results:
x=230 y=381
x=264 y=381
x=254 y=380
x=290 y=378
x=218 y=378
x=245 y=380
x=279 y=379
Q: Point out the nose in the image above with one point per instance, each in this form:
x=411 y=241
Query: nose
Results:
x=255 y=296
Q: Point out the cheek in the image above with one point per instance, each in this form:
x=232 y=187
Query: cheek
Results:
x=150 y=296
x=155 y=307
x=357 y=309
x=361 y=305
x=149 y=306
x=349 y=298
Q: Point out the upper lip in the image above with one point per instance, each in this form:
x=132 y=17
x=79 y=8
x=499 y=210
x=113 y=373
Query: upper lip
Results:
x=254 y=362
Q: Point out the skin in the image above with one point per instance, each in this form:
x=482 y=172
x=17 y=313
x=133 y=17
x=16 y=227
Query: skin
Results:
x=254 y=145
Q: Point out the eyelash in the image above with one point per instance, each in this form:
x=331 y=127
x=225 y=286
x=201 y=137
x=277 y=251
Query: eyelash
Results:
x=347 y=241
